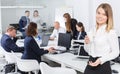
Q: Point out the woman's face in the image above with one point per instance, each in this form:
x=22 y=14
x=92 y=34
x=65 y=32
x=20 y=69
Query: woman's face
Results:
x=78 y=28
x=101 y=17
x=35 y=13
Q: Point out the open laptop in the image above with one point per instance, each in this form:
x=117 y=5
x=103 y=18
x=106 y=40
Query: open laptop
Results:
x=82 y=56
x=45 y=39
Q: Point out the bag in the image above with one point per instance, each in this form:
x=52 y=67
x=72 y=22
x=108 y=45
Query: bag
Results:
x=9 y=68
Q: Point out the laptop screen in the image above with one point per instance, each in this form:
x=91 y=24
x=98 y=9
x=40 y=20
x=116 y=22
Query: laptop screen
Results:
x=45 y=39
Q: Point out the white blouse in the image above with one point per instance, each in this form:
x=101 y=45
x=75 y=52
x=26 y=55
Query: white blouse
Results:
x=103 y=44
x=37 y=21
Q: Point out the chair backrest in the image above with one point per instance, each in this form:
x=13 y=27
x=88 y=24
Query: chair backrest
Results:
x=46 y=69
x=26 y=65
x=8 y=55
x=2 y=51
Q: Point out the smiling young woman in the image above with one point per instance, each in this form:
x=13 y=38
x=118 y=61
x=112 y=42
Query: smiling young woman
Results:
x=102 y=43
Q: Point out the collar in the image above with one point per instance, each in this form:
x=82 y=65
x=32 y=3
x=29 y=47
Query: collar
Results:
x=102 y=27
x=9 y=35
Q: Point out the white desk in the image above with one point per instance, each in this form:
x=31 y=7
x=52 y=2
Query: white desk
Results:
x=68 y=59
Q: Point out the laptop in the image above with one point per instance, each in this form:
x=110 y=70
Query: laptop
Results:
x=81 y=56
x=45 y=39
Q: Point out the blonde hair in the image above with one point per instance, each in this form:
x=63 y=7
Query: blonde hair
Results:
x=10 y=28
x=108 y=11
x=57 y=22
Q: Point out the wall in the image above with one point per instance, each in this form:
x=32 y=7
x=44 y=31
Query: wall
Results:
x=81 y=11
x=13 y=15
x=0 y=20
x=8 y=17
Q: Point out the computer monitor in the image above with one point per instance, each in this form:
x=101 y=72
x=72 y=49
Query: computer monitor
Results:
x=16 y=25
x=64 y=39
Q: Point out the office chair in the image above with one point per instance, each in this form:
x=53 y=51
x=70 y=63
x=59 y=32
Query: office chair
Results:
x=27 y=65
x=46 y=69
x=10 y=58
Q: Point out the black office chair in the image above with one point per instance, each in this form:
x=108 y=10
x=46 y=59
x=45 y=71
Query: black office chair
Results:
x=118 y=58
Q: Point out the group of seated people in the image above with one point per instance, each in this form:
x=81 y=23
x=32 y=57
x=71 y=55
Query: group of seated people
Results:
x=31 y=49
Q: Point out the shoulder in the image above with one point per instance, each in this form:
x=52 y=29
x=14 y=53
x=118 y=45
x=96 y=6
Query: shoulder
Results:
x=73 y=19
x=5 y=37
x=84 y=32
x=28 y=38
x=62 y=28
x=112 y=32
x=23 y=18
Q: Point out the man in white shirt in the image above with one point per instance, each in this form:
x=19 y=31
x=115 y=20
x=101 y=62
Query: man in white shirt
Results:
x=57 y=30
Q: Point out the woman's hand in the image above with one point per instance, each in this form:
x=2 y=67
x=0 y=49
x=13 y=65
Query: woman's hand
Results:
x=51 y=38
x=87 y=40
x=51 y=50
x=96 y=63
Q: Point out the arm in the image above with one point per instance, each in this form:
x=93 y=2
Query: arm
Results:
x=53 y=34
x=88 y=41
x=36 y=48
x=114 y=46
x=12 y=46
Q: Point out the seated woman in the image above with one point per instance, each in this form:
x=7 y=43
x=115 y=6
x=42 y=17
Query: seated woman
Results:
x=32 y=50
x=80 y=36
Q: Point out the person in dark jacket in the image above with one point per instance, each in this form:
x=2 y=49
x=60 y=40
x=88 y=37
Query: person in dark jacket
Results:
x=80 y=36
x=24 y=22
x=80 y=31
x=32 y=50
x=70 y=24
x=7 y=41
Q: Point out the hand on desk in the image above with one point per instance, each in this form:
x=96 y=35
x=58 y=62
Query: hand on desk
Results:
x=51 y=50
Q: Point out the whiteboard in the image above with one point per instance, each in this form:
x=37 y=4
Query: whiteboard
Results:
x=59 y=12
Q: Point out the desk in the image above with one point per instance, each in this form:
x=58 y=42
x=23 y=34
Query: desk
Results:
x=68 y=59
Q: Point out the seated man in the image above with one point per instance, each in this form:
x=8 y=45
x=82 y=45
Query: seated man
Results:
x=57 y=30
x=7 y=41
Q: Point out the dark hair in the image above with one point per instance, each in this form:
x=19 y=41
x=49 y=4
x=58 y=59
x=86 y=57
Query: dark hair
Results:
x=32 y=29
x=80 y=24
x=36 y=11
x=68 y=22
x=27 y=11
